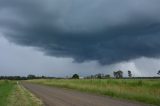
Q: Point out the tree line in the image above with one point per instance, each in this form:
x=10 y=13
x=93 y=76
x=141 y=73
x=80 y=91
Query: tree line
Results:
x=116 y=74
x=24 y=77
x=119 y=75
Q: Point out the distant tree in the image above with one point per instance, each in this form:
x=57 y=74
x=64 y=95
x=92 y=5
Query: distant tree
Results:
x=92 y=76
x=129 y=74
x=43 y=77
x=75 y=76
x=115 y=74
x=118 y=74
x=158 y=72
x=99 y=76
x=12 y=78
x=107 y=76
x=31 y=76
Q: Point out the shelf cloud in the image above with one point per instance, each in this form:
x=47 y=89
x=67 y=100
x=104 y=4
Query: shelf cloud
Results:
x=107 y=31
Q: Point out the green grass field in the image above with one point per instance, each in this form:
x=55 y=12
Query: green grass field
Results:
x=13 y=94
x=6 y=88
x=146 y=91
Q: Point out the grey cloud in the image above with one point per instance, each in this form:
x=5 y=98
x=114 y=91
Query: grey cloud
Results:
x=108 y=31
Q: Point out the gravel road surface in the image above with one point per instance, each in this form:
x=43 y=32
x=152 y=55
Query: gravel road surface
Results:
x=52 y=96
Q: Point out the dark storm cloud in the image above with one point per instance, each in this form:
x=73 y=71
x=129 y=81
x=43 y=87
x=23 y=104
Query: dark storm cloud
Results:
x=108 y=31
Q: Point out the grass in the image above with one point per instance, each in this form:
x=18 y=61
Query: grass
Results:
x=146 y=91
x=13 y=94
x=6 y=88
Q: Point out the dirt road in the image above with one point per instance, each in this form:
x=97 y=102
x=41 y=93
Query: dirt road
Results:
x=62 y=97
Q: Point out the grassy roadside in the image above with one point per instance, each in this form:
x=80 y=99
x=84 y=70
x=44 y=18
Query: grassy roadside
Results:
x=146 y=91
x=21 y=96
x=13 y=94
x=6 y=88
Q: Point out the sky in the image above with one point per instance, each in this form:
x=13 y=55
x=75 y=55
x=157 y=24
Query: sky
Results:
x=63 y=37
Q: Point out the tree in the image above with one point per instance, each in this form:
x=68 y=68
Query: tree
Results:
x=107 y=76
x=43 y=77
x=129 y=74
x=99 y=76
x=158 y=72
x=118 y=74
x=31 y=76
x=115 y=74
x=75 y=76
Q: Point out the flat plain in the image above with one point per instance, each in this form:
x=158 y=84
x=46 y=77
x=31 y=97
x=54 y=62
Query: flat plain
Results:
x=80 y=92
x=144 y=91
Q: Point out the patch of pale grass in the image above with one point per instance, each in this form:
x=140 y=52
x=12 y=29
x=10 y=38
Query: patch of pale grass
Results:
x=22 y=97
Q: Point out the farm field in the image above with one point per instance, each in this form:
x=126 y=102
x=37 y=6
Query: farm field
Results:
x=13 y=94
x=146 y=91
